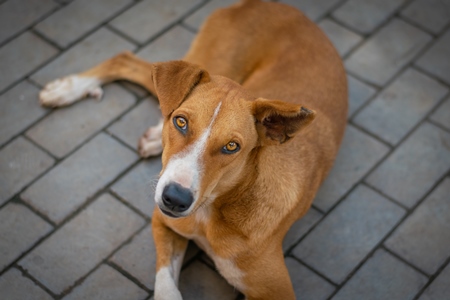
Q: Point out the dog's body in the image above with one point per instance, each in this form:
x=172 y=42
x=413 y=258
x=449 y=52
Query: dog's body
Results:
x=231 y=181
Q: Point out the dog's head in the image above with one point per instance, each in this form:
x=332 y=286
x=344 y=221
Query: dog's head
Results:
x=212 y=132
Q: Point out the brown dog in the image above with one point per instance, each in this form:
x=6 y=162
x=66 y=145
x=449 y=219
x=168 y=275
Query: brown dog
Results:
x=239 y=167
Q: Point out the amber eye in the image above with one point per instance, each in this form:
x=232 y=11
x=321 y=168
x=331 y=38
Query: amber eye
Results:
x=180 y=122
x=230 y=148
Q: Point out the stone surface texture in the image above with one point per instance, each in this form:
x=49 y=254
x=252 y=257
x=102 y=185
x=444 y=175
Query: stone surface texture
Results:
x=68 y=127
x=17 y=59
x=20 y=163
x=75 y=249
x=106 y=283
x=27 y=228
x=78 y=18
x=427 y=152
x=399 y=107
x=18 y=110
x=366 y=16
x=350 y=236
x=76 y=201
x=138 y=258
x=17 y=15
x=15 y=286
x=387 y=51
x=66 y=187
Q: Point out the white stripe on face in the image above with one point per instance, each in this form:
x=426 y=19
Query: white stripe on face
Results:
x=184 y=168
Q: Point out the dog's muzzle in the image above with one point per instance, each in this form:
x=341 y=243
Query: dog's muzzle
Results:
x=176 y=199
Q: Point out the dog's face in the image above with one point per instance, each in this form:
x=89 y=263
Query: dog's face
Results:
x=211 y=134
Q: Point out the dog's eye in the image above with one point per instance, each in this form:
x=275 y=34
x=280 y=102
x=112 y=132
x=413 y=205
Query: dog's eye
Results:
x=230 y=148
x=180 y=123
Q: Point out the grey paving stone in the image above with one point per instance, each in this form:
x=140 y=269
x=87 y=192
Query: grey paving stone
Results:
x=14 y=286
x=171 y=46
x=198 y=17
x=138 y=258
x=106 y=284
x=358 y=94
x=426 y=246
x=19 y=230
x=97 y=47
x=314 y=9
x=357 y=155
x=343 y=39
x=387 y=51
x=20 y=163
x=439 y=289
x=80 y=176
x=414 y=167
x=132 y=125
x=300 y=227
x=307 y=284
x=442 y=114
x=198 y=281
x=401 y=105
x=151 y=17
x=137 y=90
x=431 y=14
x=137 y=187
x=18 y=58
x=78 y=18
x=344 y=238
x=19 y=108
x=68 y=127
x=17 y=15
x=365 y=16
x=436 y=60
x=81 y=244
x=383 y=277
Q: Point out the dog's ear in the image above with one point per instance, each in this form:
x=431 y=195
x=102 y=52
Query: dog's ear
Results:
x=174 y=80
x=278 y=121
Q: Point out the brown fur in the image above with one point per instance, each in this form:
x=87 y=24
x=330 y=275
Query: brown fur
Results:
x=269 y=51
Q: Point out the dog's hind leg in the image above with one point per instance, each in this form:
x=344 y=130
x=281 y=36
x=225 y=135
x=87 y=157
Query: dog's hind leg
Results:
x=125 y=66
x=170 y=250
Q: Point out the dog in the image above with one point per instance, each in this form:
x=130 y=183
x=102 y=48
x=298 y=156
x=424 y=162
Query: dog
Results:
x=252 y=119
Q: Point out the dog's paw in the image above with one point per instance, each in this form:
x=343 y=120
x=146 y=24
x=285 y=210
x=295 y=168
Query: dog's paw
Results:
x=173 y=294
x=150 y=143
x=165 y=286
x=65 y=91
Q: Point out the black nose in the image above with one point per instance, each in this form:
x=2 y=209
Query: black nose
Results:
x=177 y=198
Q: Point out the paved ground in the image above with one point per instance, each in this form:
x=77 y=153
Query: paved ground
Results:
x=76 y=200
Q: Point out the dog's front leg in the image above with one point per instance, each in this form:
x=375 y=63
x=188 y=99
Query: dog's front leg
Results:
x=170 y=249
x=124 y=66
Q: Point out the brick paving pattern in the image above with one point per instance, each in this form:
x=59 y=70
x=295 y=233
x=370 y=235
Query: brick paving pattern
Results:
x=76 y=201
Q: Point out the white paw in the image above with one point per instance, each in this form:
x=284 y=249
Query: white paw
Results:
x=150 y=143
x=165 y=286
x=168 y=295
x=64 y=91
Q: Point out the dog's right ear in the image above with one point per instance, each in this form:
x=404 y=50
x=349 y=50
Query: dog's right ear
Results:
x=174 y=80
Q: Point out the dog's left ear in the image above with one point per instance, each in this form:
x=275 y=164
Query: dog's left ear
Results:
x=278 y=121
x=174 y=80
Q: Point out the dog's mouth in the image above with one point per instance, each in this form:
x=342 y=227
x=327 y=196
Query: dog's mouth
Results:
x=170 y=213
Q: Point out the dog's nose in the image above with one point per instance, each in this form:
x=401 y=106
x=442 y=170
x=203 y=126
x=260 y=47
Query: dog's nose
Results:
x=176 y=197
